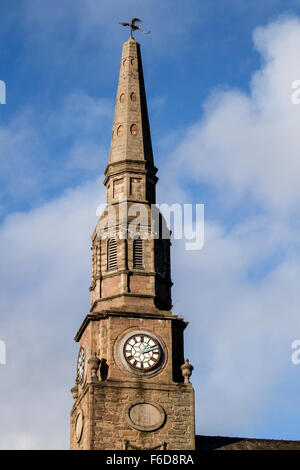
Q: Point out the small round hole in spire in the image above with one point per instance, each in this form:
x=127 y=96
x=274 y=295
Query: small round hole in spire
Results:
x=122 y=97
x=133 y=96
x=134 y=129
x=120 y=131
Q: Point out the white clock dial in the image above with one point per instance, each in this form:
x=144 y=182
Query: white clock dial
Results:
x=81 y=365
x=142 y=352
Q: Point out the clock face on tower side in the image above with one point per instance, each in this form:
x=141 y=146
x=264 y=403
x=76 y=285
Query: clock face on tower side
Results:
x=142 y=352
x=81 y=365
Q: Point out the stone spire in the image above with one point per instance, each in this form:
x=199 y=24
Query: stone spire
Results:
x=130 y=389
x=130 y=267
x=131 y=147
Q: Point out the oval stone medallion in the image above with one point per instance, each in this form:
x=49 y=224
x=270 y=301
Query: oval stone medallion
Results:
x=145 y=416
x=79 y=426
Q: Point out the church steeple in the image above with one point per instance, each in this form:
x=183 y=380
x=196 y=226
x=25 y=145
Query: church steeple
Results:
x=129 y=392
x=131 y=147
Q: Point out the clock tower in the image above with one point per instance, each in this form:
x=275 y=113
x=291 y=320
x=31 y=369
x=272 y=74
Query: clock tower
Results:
x=132 y=388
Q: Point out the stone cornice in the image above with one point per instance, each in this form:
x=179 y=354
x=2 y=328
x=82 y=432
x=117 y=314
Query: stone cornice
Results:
x=163 y=315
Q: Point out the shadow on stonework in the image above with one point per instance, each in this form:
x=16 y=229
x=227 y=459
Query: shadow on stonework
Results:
x=104 y=369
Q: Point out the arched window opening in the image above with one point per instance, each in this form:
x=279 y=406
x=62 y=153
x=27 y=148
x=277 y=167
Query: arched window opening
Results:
x=112 y=255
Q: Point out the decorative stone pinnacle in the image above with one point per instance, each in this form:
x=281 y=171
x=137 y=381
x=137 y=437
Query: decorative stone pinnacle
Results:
x=74 y=391
x=186 y=370
x=94 y=363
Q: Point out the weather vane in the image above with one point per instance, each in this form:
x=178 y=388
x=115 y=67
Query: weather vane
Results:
x=134 y=27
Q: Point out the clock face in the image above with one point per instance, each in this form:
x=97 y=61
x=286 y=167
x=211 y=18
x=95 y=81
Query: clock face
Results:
x=142 y=352
x=81 y=365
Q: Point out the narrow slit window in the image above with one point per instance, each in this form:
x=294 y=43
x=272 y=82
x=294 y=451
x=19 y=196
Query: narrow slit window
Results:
x=138 y=259
x=112 y=255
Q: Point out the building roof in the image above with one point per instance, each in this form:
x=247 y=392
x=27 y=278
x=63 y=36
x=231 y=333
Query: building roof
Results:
x=237 y=443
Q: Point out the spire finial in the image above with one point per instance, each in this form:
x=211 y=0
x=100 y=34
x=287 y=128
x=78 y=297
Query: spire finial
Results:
x=134 y=27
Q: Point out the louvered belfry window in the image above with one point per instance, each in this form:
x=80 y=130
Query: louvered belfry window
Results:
x=112 y=255
x=159 y=252
x=138 y=261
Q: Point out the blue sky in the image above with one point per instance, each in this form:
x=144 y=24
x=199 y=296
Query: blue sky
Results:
x=218 y=80
x=52 y=50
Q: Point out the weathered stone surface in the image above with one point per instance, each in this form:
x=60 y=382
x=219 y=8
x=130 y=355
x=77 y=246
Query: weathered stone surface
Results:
x=126 y=299
x=107 y=427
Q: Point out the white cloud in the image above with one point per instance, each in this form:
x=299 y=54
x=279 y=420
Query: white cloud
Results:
x=29 y=170
x=249 y=144
x=234 y=325
x=240 y=328
x=240 y=292
x=246 y=310
x=45 y=267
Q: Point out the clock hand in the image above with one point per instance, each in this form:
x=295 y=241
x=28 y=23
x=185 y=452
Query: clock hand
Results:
x=149 y=349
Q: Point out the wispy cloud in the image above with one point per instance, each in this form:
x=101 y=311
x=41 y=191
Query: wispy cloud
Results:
x=249 y=143
x=246 y=312
x=240 y=292
x=45 y=265
x=46 y=150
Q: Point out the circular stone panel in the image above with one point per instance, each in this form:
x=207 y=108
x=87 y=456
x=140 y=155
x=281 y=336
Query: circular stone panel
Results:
x=120 y=131
x=79 y=426
x=145 y=416
x=134 y=129
x=122 y=98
